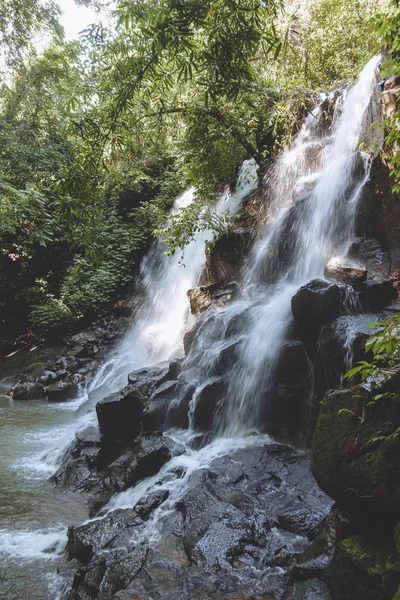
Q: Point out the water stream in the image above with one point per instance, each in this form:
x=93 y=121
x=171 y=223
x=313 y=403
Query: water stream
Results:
x=313 y=192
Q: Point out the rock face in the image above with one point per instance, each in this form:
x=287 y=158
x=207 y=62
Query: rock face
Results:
x=356 y=450
x=237 y=529
x=227 y=255
x=313 y=305
x=346 y=271
x=217 y=294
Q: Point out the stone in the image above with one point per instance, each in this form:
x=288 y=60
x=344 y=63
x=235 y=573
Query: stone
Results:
x=379 y=293
x=155 y=413
x=315 y=304
x=352 y=460
x=48 y=378
x=84 y=541
x=62 y=391
x=226 y=256
x=369 y=252
x=178 y=409
x=207 y=400
x=363 y=568
x=216 y=295
x=120 y=414
x=28 y=391
x=67 y=363
x=145 y=460
x=345 y=271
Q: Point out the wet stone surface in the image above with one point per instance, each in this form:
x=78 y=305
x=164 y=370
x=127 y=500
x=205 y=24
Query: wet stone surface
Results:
x=236 y=528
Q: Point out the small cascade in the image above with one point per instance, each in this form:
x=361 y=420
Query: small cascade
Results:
x=317 y=225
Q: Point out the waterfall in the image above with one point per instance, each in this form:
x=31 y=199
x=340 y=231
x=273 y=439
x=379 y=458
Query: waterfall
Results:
x=318 y=171
x=157 y=330
x=325 y=176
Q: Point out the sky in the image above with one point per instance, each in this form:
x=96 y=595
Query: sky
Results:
x=75 y=18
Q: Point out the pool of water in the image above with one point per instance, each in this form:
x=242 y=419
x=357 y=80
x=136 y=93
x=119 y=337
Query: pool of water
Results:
x=34 y=516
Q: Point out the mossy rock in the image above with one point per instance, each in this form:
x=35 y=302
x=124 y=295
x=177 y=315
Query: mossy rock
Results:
x=347 y=464
x=397 y=537
x=364 y=567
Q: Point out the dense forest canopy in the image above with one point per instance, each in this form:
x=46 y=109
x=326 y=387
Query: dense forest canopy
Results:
x=99 y=135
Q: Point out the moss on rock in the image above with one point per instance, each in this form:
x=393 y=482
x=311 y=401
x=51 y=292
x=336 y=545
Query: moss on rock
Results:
x=365 y=567
x=347 y=464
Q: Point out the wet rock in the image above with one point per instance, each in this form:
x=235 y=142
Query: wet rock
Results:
x=313 y=305
x=369 y=252
x=208 y=328
x=318 y=556
x=178 y=409
x=146 y=459
x=217 y=543
x=155 y=413
x=84 y=541
x=227 y=357
x=293 y=364
x=379 y=293
x=240 y=322
x=364 y=567
x=226 y=256
x=148 y=504
x=62 y=391
x=146 y=379
x=302 y=521
x=354 y=458
x=28 y=391
x=48 y=378
x=206 y=404
x=67 y=363
x=311 y=589
x=346 y=271
x=120 y=414
x=217 y=295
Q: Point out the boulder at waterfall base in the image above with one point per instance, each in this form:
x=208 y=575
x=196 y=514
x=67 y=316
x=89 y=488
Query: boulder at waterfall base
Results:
x=356 y=447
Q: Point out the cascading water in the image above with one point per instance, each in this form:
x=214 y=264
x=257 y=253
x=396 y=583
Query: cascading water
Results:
x=326 y=190
x=313 y=195
x=320 y=225
x=42 y=514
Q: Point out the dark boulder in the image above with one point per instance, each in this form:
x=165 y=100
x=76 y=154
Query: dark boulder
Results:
x=155 y=413
x=67 y=363
x=146 y=459
x=146 y=379
x=365 y=566
x=84 y=541
x=120 y=414
x=226 y=256
x=178 y=409
x=207 y=400
x=62 y=391
x=378 y=293
x=313 y=305
x=369 y=252
x=28 y=391
x=48 y=378
x=355 y=455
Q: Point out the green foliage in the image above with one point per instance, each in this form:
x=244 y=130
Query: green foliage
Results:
x=20 y=20
x=97 y=137
x=387 y=26
x=384 y=345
